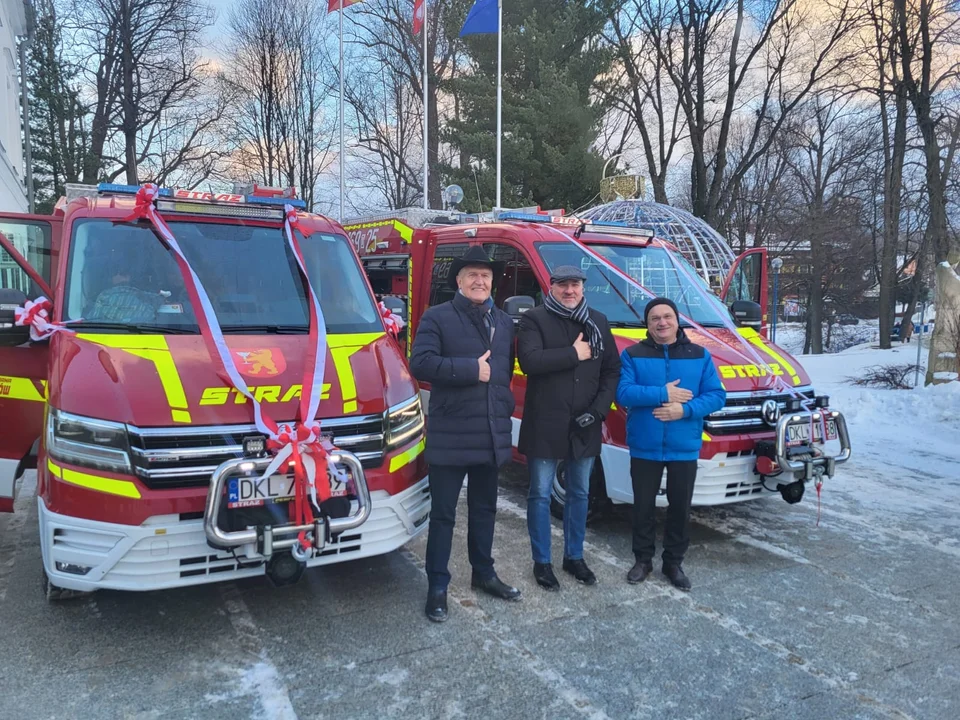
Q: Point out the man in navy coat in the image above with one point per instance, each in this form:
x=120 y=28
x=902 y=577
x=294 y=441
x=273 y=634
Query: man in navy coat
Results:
x=668 y=385
x=464 y=349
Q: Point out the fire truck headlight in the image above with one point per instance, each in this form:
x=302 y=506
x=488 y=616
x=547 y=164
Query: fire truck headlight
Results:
x=404 y=422
x=88 y=442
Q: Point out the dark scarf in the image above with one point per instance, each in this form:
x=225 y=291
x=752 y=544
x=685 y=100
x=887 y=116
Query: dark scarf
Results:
x=485 y=310
x=580 y=314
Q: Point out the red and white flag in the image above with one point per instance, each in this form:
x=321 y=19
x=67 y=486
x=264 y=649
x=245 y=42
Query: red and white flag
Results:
x=334 y=5
x=418 y=6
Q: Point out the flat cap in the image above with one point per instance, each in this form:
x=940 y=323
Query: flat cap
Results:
x=567 y=272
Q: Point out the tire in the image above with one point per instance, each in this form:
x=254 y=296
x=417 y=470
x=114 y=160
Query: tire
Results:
x=597 y=500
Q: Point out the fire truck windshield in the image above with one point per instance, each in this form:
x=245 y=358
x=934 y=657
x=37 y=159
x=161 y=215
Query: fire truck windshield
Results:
x=654 y=268
x=121 y=276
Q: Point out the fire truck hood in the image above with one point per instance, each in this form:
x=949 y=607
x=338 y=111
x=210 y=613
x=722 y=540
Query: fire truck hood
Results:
x=170 y=380
x=745 y=360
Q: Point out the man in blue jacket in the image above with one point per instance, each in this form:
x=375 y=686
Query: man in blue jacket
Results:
x=464 y=349
x=668 y=385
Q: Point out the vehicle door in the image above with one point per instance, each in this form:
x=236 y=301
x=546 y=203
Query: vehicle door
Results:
x=27 y=260
x=518 y=278
x=747 y=281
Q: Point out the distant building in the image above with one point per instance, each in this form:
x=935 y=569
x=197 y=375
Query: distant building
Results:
x=13 y=23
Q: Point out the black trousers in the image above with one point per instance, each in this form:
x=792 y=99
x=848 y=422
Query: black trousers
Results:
x=647 y=476
x=445 y=484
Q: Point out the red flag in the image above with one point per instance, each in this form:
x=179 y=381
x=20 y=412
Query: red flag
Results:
x=417 y=16
x=334 y=5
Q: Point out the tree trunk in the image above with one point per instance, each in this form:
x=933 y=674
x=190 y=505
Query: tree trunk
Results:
x=129 y=101
x=892 y=184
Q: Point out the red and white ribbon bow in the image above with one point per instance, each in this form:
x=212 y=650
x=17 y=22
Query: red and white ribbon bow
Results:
x=36 y=314
x=393 y=322
x=298 y=446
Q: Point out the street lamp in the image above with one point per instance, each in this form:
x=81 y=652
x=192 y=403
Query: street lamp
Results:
x=776 y=264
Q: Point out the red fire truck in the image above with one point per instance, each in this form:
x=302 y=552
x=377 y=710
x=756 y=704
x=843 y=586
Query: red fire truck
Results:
x=774 y=433
x=148 y=461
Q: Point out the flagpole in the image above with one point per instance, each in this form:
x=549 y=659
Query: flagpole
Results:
x=499 y=89
x=426 y=126
x=340 y=218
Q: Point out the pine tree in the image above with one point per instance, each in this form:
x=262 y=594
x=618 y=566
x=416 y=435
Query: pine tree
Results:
x=552 y=59
x=59 y=136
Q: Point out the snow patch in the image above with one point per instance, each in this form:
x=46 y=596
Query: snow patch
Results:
x=274 y=700
x=945 y=376
x=395 y=677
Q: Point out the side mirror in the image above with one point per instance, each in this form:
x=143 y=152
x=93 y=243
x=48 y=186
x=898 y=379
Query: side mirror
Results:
x=747 y=313
x=11 y=335
x=517 y=305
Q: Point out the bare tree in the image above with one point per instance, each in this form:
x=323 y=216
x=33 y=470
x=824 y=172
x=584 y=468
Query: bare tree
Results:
x=384 y=28
x=830 y=170
x=930 y=78
x=143 y=64
x=390 y=135
x=641 y=88
x=732 y=58
x=279 y=79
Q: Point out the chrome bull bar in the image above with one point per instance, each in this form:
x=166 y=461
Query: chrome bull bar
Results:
x=268 y=539
x=809 y=468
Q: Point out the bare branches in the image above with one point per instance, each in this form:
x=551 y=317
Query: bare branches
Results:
x=278 y=83
x=142 y=63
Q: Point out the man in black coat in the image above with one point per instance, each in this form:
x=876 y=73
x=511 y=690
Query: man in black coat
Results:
x=572 y=366
x=464 y=349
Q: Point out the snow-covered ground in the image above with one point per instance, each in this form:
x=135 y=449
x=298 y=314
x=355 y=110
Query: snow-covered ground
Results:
x=900 y=438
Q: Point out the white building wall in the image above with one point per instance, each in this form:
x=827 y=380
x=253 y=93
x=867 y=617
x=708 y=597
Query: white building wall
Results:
x=13 y=194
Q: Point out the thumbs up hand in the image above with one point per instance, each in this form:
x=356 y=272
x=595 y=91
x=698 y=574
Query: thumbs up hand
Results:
x=583 y=348
x=484 y=367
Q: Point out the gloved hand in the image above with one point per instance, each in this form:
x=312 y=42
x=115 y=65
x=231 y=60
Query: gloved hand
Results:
x=583 y=421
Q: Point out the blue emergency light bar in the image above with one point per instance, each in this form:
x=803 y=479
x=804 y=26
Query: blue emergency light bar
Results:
x=117 y=189
x=533 y=217
x=225 y=198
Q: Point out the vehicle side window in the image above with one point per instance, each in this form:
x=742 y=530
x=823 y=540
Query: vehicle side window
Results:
x=443 y=257
x=745 y=283
x=518 y=276
x=32 y=240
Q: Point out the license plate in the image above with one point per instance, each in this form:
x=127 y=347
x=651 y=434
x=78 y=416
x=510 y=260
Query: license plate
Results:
x=799 y=434
x=247 y=492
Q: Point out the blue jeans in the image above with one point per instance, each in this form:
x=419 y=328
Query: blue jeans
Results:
x=542 y=473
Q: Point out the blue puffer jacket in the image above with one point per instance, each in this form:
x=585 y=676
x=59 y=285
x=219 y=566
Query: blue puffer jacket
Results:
x=645 y=370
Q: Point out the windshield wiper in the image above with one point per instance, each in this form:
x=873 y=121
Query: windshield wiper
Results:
x=137 y=327
x=625 y=324
x=265 y=329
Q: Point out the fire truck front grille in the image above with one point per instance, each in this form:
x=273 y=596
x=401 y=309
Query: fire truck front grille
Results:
x=165 y=458
x=743 y=412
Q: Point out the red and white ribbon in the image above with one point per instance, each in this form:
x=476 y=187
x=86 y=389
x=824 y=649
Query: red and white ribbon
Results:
x=298 y=444
x=393 y=322
x=36 y=314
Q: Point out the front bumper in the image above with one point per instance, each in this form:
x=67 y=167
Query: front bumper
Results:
x=724 y=479
x=166 y=552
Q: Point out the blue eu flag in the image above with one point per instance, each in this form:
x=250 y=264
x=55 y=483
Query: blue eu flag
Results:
x=482 y=18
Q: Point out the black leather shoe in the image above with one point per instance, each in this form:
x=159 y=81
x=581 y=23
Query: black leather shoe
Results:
x=675 y=575
x=579 y=569
x=436 y=605
x=639 y=572
x=543 y=572
x=496 y=587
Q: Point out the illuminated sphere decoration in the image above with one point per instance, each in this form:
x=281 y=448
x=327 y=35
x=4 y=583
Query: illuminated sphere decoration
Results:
x=701 y=245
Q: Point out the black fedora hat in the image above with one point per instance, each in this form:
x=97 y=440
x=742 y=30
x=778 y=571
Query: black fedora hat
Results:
x=473 y=256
